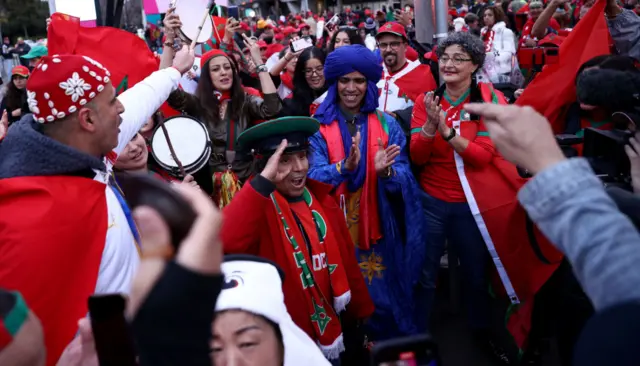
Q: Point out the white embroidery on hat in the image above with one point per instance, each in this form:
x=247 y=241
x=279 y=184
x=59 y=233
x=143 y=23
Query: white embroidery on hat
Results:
x=44 y=67
x=50 y=118
x=56 y=55
x=40 y=120
x=85 y=68
x=107 y=72
x=46 y=95
x=50 y=104
x=92 y=94
x=92 y=73
x=60 y=114
x=54 y=111
x=33 y=102
x=56 y=60
x=39 y=66
x=106 y=78
x=98 y=77
x=75 y=86
x=100 y=88
x=83 y=101
x=72 y=109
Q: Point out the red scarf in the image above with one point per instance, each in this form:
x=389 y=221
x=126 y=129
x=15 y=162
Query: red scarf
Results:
x=487 y=38
x=323 y=308
x=287 y=80
x=223 y=96
x=369 y=230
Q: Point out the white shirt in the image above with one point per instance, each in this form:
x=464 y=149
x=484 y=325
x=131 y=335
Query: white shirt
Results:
x=389 y=99
x=120 y=258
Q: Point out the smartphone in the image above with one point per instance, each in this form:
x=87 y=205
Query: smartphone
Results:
x=419 y=350
x=233 y=12
x=144 y=190
x=334 y=21
x=300 y=44
x=111 y=332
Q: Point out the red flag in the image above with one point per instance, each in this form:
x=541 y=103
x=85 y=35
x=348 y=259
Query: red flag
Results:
x=53 y=232
x=554 y=89
x=124 y=54
x=219 y=25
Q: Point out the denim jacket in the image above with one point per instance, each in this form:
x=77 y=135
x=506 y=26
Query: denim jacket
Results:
x=569 y=204
x=625 y=31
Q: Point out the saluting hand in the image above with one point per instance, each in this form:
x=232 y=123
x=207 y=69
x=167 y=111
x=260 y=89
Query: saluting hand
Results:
x=353 y=160
x=271 y=171
x=385 y=158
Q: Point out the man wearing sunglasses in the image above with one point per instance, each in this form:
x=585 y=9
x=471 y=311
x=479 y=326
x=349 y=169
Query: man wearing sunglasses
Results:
x=402 y=81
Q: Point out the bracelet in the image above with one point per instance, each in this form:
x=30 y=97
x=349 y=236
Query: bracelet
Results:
x=427 y=134
x=168 y=44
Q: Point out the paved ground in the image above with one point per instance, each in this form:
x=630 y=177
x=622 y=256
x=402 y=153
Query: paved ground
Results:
x=456 y=345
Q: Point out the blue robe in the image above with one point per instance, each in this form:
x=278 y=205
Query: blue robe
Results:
x=399 y=255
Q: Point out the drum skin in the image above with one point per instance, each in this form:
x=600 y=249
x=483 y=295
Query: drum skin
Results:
x=190 y=141
x=191 y=13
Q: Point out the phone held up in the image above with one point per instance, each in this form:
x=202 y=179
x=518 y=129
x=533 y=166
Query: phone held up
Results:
x=418 y=350
x=144 y=190
x=301 y=44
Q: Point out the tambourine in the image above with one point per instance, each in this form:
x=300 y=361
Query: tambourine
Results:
x=197 y=24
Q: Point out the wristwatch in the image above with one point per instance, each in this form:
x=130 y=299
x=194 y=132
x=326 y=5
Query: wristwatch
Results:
x=262 y=68
x=452 y=134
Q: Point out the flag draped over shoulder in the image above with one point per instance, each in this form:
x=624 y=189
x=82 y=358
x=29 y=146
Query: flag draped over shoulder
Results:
x=553 y=90
x=50 y=256
x=124 y=54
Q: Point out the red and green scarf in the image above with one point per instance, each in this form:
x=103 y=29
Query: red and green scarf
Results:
x=323 y=308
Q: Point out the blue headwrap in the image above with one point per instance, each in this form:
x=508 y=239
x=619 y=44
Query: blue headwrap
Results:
x=340 y=62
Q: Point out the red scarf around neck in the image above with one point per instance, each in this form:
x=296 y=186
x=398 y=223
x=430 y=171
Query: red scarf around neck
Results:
x=487 y=38
x=287 y=80
x=323 y=308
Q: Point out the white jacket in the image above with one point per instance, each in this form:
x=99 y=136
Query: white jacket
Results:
x=498 y=63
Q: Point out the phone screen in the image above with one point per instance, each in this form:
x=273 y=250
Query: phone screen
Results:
x=301 y=44
x=113 y=340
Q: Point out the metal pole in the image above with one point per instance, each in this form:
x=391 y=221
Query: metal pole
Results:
x=441 y=19
x=425 y=20
x=99 y=19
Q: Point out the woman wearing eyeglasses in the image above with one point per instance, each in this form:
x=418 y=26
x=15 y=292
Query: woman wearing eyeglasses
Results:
x=470 y=199
x=308 y=84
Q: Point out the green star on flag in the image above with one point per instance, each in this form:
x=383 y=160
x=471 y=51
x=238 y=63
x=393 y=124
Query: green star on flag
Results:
x=332 y=267
x=320 y=316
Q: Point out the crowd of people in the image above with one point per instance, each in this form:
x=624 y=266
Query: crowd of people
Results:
x=330 y=182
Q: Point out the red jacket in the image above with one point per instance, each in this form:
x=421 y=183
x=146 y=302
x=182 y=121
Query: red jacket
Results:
x=251 y=223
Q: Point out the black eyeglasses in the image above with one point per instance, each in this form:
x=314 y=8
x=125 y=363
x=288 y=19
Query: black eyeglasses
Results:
x=318 y=71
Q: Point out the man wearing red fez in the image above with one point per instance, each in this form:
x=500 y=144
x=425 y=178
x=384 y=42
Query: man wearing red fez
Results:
x=403 y=80
x=66 y=229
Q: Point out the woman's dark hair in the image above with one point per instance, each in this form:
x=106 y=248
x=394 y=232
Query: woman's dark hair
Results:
x=303 y=94
x=352 y=33
x=469 y=43
x=15 y=97
x=498 y=14
x=209 y=103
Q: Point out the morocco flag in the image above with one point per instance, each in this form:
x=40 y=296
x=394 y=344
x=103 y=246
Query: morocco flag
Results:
x=53 y=232
x=554 y=89
x=126 y=55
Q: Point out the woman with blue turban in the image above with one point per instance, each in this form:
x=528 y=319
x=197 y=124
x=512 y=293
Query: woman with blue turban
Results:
x=362 y=153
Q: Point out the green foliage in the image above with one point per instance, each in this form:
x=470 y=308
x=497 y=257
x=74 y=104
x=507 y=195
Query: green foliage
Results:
x=24 y=18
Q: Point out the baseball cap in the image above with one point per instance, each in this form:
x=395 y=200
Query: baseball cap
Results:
x=36 y=51
x=393 y=28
